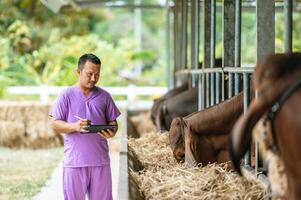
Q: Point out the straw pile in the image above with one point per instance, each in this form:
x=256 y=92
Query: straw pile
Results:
x=26 y=124
x=164 y=178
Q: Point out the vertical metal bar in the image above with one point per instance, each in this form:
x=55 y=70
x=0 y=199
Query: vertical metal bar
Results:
x=212 y=50
x=207 y=33
x=212 y=87
x=288 y=25
x=184 y=35
x=201 y=98
x=207 y=50
x=170 y=78
x=217 y=88
x=230 y=87
x=246 y=97
x=237 y=53
x=176 y=41
x=265 y=11
x=265 y=19
x=236 y=83
x=207 y=90
x=229 y=32
x=194 y=37
x=237 y=41
x=212 y=32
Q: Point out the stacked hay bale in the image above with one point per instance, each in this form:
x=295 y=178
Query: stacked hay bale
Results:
x=163 y=178
x=26 y=124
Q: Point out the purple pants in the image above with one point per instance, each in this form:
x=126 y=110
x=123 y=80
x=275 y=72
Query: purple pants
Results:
x=96 y=182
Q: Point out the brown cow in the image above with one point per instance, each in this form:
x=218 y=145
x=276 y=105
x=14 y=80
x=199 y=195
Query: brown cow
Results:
x=273 y=77
x=170 y=106
x=203 y=136
x=169 y=94
x=178 y=106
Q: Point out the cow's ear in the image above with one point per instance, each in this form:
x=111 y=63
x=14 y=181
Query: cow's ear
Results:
x=159 y=118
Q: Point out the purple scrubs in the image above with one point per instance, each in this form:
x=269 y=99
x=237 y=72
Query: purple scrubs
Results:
x=86 y=158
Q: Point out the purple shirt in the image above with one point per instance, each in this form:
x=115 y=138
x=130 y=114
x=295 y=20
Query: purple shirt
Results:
x=82 y=150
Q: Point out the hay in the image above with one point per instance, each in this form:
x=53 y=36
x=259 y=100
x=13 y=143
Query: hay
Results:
x=36 y=131
x=164 y=178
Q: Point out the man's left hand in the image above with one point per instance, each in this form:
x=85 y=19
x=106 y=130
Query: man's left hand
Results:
x=106 y=134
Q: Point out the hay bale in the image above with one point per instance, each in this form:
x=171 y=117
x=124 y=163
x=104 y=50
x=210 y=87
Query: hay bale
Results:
x=11 y=133
x=164 y=178
x=36 y=132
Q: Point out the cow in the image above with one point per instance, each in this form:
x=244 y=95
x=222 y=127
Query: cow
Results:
x=202 y=137
x=169 y=94
x=178 y=108
x=277 y=80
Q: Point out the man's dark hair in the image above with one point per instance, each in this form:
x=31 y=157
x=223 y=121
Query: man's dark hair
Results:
x=87 y=57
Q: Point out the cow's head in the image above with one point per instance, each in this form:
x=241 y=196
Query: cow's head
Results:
x=176 y=139
x=271 y=77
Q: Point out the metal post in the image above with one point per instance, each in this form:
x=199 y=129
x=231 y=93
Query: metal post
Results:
x=246 y=97
x=229 y=32
x=184 y=35
x=207 y=52
x=265 y=19
x=170 y=78
x=212 y=51
x=194 y=37
x=176 y=41
x=288 y=25
x=265 y=11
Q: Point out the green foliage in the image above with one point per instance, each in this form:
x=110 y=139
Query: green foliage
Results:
x=40 y=47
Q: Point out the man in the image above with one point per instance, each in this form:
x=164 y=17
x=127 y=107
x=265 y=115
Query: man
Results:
x=86 y=165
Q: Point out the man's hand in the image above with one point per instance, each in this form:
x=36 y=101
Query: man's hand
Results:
x=108 y=133
x=81 y=125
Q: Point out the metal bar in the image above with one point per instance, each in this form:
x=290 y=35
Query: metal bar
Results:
x=246 y=97
x=239 y=70
x=213 y=34
x=229 y=32
x=288 y=25
x=230 y=87
x=212 y=86
x=170 y=81
x=237 y=54
x=207 y=33
x=217 y=88
x=176 y=40
x=184 y=35
x=236 y=83
x=207 y=90
x=236 y=70
x=201 y=95
x=265 y=18
x=194 y=38
x=265 y=14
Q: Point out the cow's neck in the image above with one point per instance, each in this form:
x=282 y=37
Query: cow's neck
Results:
x=218 y=119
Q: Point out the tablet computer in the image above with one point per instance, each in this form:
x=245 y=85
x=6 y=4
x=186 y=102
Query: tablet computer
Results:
x=97 y=128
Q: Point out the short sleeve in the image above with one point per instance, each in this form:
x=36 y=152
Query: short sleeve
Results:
x=59 y=108
x=112 y=111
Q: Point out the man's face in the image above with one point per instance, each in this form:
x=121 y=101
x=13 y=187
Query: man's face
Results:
x=89 y=75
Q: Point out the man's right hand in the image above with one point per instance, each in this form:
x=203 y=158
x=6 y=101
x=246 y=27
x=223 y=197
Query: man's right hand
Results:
x=81 y=125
